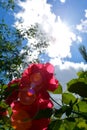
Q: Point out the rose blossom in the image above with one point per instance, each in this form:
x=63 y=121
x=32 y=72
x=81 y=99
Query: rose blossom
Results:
x=39 y=76
x=30 y=95
x=25 y=114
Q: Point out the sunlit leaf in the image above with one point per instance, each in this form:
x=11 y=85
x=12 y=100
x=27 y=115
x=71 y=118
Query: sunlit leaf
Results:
x=3 y=104
x=82 y=74
x=82 y=125
x=9 y=111
x=58 y=90
x=82 y=106
x=70 y=123
x=61 y=125
x=68 y=97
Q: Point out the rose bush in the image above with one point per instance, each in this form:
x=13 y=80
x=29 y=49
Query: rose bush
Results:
x=30 y=95
x=25 y=103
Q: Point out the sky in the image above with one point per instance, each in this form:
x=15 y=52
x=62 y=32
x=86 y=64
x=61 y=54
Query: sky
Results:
x=65 y=23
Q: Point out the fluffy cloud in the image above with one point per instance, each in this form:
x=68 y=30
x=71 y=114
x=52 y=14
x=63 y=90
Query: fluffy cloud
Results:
x=61 y=37
x=82 y=27
x=65 y=71
x=62 y=1
x=35 y=12
x=86 y=13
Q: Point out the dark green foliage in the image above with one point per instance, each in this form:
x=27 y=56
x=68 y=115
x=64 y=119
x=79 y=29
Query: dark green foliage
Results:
x=79 y=85
x=10 y=47
x=45 y=113
x=72 y=113
x=55 y=125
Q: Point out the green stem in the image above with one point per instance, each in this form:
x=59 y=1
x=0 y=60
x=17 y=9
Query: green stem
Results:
x=56 y=102
x=77 y=113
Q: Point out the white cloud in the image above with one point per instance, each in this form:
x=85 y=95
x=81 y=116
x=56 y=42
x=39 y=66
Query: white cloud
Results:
x=82 y=27
x=67 y=70
x=62 y=40
x=35 y=12
x=62 y=1
x=61 y=37
x=86 y=13
x=79 y=39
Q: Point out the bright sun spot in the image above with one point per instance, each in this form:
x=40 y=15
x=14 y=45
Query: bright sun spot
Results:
x=61 y=32
x=61 y=41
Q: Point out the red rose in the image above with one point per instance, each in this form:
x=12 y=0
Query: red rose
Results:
x=27 y=96
x=42 y=102
x=20 y=120
x=35 y=79
x=25 y=114
x=30 y=95
x=39 y=76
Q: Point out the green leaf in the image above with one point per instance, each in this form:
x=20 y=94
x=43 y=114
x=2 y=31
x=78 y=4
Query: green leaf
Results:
x=9 y=111
x=58 y=90
x=3 y=104
x=68 y=98
x=55 y=125
x=4 y=86
x=69 y=123
x=82 y=74
x=69 y=111
x=78 y=86
x=82 y=125
x=82 y=106
x=59 y=112
x=61 y=125
x=79 y=73
x=71 y=119
x=5 y=123
x=12 y=88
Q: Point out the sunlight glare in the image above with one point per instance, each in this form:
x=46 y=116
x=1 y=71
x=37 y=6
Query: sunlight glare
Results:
x=61 y=40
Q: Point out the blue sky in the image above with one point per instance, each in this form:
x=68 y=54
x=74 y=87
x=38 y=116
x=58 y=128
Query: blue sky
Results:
x=64 y=23
x=71 y=12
